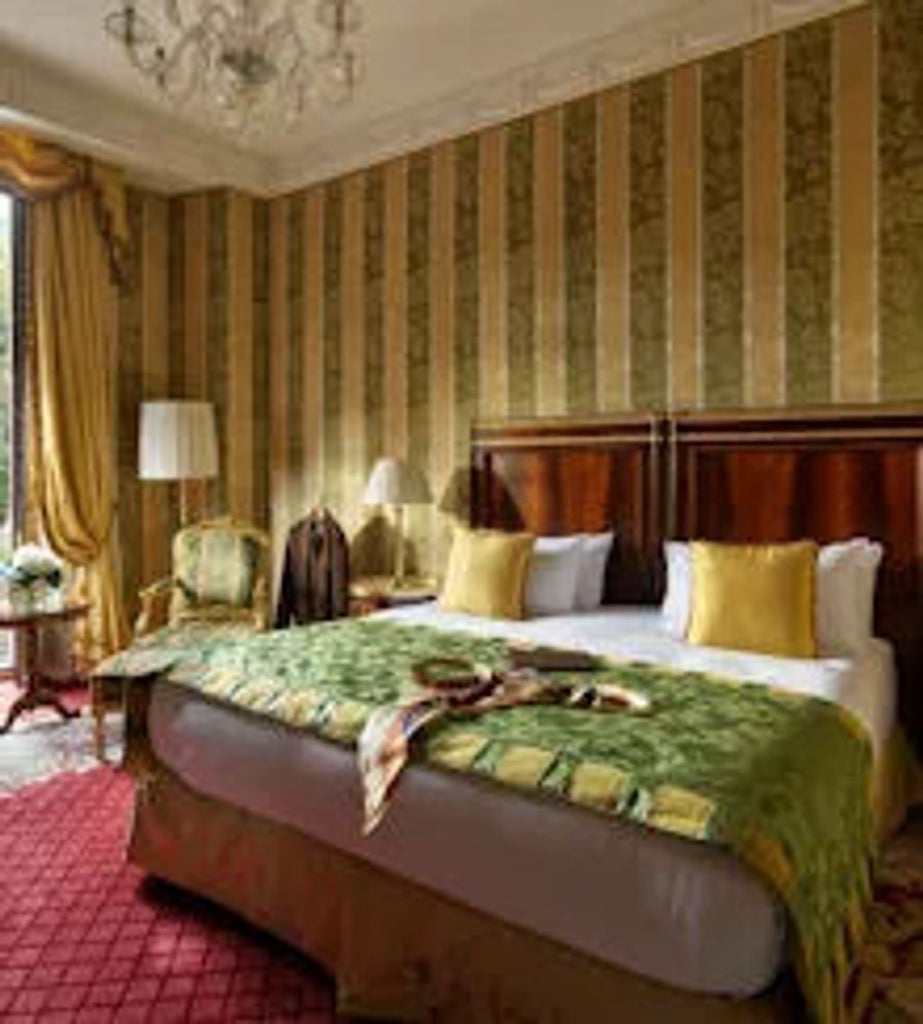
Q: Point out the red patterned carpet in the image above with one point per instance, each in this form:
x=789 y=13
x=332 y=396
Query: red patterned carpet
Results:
x=84 y=938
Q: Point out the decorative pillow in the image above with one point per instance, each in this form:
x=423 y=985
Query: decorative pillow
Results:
x=590 y=581
x=551 y=582
x=678 y=599
x=754 y=597
x=486 y=573
x=216 y=566
x=846 y=574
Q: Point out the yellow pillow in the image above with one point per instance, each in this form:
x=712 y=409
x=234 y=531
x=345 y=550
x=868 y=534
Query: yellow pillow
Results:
x=754 y=597
x=487 y=572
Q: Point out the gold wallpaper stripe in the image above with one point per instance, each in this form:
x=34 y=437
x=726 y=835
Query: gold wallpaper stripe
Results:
x=613 y=307
x=743 y=230
x=685 y=237
x=764 y=224
x=549 y=282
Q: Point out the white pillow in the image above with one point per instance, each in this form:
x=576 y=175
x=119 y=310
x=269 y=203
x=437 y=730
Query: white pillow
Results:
x=678 y=600
x=596 y=548
x=551 y=580
x=846 y=575
x=844 y=601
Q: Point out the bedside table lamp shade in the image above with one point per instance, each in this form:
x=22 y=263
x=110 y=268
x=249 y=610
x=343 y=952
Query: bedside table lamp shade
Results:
x=396 y=483
x=176 y=441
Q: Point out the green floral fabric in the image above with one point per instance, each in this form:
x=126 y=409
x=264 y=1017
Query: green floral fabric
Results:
x=216 y=567
x=780 y=780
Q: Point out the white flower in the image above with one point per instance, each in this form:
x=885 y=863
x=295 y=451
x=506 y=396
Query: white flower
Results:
x=36 y=561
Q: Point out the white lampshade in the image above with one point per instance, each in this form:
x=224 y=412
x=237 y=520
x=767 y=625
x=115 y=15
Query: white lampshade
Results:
x=177 y=441
x=395 y=482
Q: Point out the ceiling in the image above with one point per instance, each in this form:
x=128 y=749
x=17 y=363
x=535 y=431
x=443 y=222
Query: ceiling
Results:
x=431 y=69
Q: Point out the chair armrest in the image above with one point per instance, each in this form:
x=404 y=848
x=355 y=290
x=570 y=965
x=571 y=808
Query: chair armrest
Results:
x=155 y=607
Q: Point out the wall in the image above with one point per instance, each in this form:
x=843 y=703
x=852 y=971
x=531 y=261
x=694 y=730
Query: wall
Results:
x=746 y=230
x=192 y=323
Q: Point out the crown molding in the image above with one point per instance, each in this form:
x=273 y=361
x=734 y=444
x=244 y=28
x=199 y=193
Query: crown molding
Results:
x=166 y=153
x=156 y=149
x=645 y=47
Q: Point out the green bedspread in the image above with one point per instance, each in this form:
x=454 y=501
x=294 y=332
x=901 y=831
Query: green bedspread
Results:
x=780 y=780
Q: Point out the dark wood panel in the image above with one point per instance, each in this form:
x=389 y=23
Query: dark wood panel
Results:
x=826 y=475
x=555 y=477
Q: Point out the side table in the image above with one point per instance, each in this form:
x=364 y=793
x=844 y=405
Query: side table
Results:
x=37 y=690
x=373 y=593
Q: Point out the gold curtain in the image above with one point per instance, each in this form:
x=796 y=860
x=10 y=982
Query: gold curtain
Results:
x=77 y=246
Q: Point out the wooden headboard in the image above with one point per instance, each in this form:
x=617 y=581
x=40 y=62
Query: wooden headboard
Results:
x=825 y=474
x=566 y=476
x=775 y=475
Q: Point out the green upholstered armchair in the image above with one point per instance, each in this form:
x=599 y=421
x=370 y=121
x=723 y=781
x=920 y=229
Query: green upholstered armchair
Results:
x=220 y=574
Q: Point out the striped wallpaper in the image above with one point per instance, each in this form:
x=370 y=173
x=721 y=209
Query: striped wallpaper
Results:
x=745 y=230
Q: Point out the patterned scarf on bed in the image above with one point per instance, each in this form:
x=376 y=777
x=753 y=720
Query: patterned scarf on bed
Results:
x=451 y=687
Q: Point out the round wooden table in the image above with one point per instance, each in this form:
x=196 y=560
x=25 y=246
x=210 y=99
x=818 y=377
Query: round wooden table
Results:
x=38 y=691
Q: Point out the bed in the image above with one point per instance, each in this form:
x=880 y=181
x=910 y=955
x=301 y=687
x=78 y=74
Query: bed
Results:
x=472 y=902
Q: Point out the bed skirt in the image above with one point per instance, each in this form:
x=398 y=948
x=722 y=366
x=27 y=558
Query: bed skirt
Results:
x=397 y=951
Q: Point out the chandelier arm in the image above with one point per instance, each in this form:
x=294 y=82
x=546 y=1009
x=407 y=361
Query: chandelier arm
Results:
x=249 y=59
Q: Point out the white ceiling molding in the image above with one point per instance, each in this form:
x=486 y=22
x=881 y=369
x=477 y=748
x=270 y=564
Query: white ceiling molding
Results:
x=164 y=152
x=644 y=48
x=153 y=148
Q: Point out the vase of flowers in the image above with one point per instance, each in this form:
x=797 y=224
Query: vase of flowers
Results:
x=33 y=577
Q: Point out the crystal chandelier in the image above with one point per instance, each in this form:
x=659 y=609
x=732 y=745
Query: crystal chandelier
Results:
x=251 y=63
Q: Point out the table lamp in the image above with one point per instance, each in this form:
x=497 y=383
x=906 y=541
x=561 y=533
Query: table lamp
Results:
x=398 y=484
x=176 y=441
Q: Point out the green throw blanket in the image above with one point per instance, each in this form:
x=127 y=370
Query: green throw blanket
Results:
x=780 y=780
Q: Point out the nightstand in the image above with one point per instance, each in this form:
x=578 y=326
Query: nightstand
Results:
x=373 y=593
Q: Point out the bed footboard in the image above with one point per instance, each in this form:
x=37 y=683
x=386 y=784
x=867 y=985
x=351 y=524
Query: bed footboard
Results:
x=397 y=951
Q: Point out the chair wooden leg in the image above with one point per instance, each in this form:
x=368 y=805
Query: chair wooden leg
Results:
x=99 y=715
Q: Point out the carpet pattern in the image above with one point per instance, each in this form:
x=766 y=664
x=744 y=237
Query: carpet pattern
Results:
x=41 y=744
x=84 y=938
x=888 y=984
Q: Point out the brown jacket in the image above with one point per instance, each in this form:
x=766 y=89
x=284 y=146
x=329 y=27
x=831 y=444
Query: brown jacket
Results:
x=315 y=573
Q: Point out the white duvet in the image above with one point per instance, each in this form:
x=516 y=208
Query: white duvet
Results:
x=678 y=911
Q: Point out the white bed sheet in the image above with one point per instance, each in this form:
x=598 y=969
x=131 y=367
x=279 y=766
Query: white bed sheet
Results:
x=681 y=912
x=867 y=685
